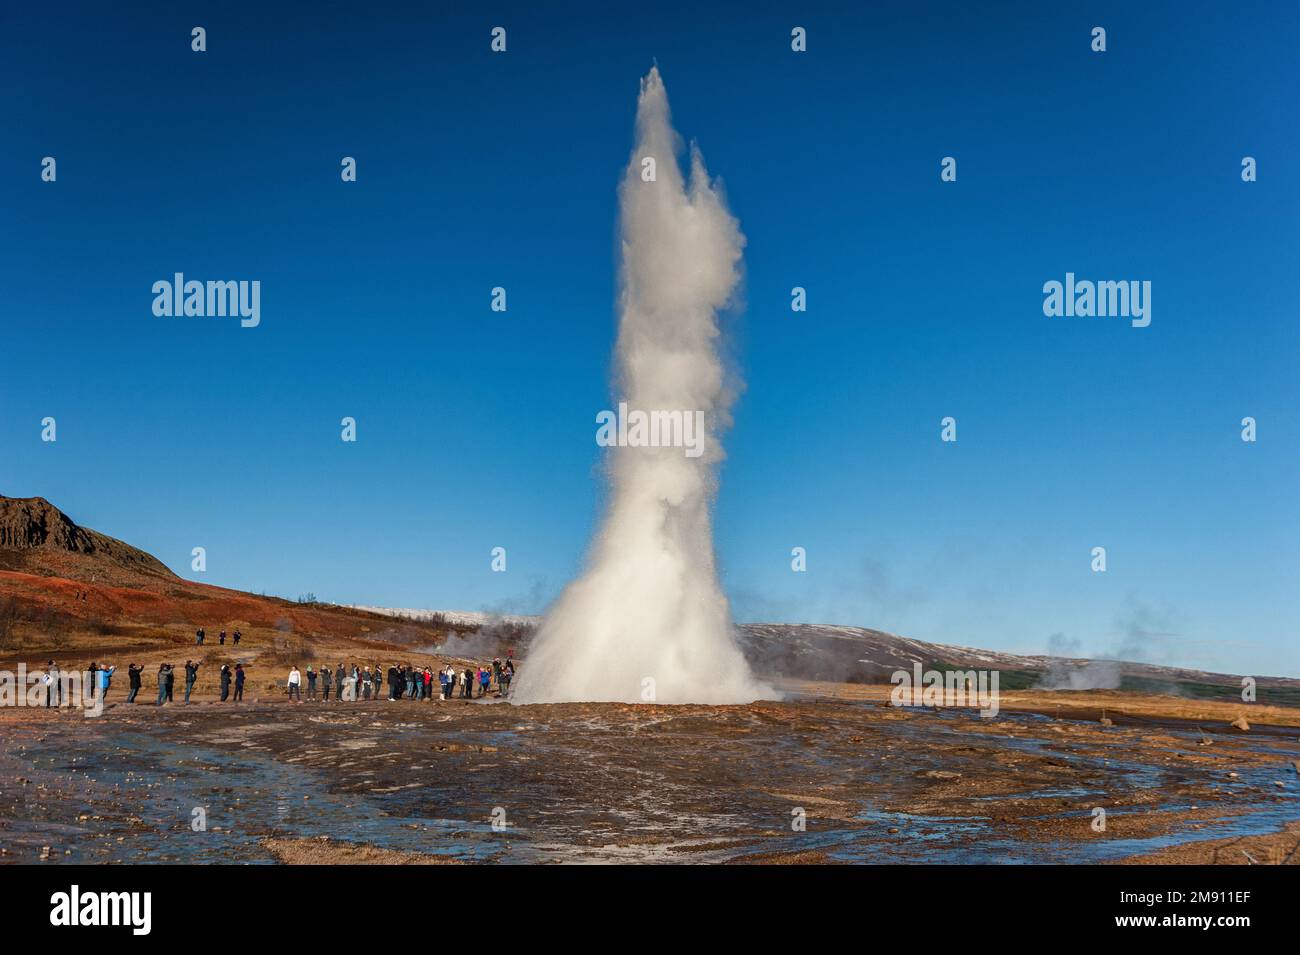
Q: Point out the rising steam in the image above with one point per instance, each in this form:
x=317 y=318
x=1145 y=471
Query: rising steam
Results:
x=647 y=621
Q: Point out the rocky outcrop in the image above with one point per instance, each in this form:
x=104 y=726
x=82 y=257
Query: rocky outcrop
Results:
x=33 y=524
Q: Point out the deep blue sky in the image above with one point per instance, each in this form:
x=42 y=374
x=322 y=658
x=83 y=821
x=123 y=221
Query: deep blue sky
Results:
x=477 y=428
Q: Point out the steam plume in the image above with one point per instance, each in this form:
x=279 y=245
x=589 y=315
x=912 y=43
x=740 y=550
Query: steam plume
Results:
x=649 y=607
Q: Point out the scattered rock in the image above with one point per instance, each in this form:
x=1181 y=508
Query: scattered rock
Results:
x=1240 y=723
x=940 y=774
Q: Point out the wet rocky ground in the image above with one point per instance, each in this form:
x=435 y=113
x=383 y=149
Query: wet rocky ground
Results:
x=806 y=781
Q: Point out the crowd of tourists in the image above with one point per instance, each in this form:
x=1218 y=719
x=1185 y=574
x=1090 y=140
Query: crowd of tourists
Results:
x=400 y=681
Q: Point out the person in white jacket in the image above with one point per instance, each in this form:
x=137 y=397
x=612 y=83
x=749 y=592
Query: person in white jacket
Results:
x=295 y=684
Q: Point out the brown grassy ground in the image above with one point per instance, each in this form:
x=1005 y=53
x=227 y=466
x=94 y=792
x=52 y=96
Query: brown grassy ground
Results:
x=1084 y=704
x=326 y=851
x=1278 y=848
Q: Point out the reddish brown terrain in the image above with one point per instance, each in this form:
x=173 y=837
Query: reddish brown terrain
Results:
x=79 y=596
x=56 y=574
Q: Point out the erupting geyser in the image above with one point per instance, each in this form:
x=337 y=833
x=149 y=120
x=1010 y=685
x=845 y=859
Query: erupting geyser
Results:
x=647 y=621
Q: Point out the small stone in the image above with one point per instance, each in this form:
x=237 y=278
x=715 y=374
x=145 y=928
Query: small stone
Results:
x=941 y=774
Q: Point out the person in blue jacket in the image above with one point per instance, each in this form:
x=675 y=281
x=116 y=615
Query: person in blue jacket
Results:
x=105 y=678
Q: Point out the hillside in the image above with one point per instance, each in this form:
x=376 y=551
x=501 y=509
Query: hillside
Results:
x=64 y=586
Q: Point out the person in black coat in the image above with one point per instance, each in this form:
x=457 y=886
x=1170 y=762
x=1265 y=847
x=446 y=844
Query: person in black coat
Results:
x=191 y=677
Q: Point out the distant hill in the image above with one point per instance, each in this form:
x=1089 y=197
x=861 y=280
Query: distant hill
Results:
x=853 y=654
x=36 y=537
